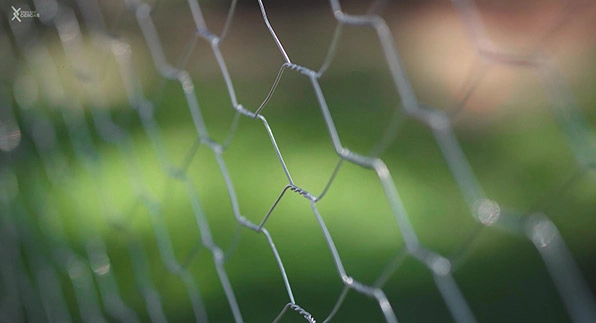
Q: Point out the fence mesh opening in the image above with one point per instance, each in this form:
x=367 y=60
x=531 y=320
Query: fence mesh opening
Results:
x=255 y=161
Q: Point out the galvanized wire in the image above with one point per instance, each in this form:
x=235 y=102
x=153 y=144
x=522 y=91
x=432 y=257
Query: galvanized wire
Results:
x=44 y=255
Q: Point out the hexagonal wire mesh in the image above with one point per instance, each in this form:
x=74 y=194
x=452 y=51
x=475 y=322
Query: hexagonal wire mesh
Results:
x=58 y=265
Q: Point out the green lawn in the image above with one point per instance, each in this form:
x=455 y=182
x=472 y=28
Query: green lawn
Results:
x=517 y=158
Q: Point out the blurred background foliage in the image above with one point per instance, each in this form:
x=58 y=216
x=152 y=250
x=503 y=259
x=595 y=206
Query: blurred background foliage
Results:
x=508 y=133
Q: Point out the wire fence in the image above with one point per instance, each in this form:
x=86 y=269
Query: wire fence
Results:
x=39 y=252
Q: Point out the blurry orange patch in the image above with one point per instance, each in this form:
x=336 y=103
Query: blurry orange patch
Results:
x=443 y=59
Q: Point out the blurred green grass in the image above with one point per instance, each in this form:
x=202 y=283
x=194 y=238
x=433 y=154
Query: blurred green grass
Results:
x=518 y=154
x=516 y=159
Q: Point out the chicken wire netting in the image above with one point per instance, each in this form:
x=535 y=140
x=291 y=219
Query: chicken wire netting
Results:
x=259 y=161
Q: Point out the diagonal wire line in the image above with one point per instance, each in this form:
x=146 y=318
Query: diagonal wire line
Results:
x=537 y=228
